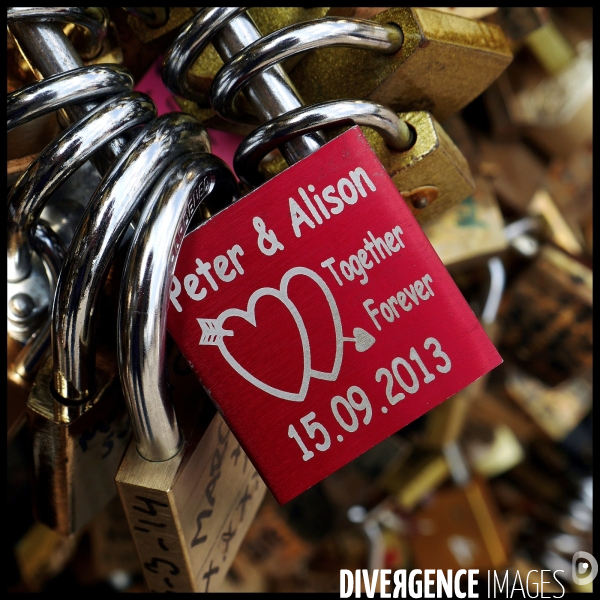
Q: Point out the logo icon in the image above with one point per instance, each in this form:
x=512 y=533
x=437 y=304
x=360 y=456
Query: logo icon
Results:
x=584 y=568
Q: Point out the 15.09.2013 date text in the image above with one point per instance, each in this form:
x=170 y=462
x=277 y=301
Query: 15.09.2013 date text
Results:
x=345 y=409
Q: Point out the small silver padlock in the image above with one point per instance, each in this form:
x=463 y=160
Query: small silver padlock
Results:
x=188 y=502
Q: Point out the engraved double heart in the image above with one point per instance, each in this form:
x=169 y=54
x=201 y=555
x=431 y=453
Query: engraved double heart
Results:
x=214 y=334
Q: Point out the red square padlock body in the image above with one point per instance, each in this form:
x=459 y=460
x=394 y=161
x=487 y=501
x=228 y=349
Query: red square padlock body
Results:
x=319 y=318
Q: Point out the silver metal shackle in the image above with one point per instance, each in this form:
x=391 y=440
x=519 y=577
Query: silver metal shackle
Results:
x=48 y=51
x=271 y=93
x=497 y=283
x=188 y=45
x=93 y=18
x=252 y=66
x=64 y=89
x=105 y=221
x=145 y=292
x=395 y=132
x=57 y=162
x=289 y=41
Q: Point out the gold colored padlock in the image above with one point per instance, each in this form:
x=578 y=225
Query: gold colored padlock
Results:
x=557 y=410
x=77 y=422
x=75 y=451
x=41 y=554
x=188 y=515
x=444 y=62
x=432 y=174
x=414 y=477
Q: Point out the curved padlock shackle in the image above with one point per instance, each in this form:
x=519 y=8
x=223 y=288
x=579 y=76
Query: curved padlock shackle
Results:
x=57 y=162
x=94 y=18
x=497 y=283
x=289 y=123
x=271 y=49
x=271 y=93
x=64 y=89
x=144 y=296
x=336 y=113
x=102 y=226
x=189 y=44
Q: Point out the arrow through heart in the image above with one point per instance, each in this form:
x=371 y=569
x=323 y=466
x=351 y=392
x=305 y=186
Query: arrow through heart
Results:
x=214 y=334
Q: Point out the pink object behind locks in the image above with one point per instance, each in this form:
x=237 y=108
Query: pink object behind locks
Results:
x=223 y=144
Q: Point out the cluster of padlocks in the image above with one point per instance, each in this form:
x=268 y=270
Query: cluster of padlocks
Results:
x=297 y=291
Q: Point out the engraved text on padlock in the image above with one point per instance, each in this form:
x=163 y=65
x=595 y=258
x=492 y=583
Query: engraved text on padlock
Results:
x=319 y=318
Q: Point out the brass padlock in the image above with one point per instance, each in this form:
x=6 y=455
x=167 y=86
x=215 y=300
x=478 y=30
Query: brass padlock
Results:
x=557 y=410
x=445 y=61
x=42 y=554
x=492 y=450
x=188 y=502
x=555 y=111
x=428 y=169
x=570 y=184
x=203 y=70
x=156 y=26
x=25 y=359
x=433 y=175
x=31 y=285
x=53 y=433
x=431 y=171
x=414 y=477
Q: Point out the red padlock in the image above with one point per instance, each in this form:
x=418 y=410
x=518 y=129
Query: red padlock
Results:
x=319 y=318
